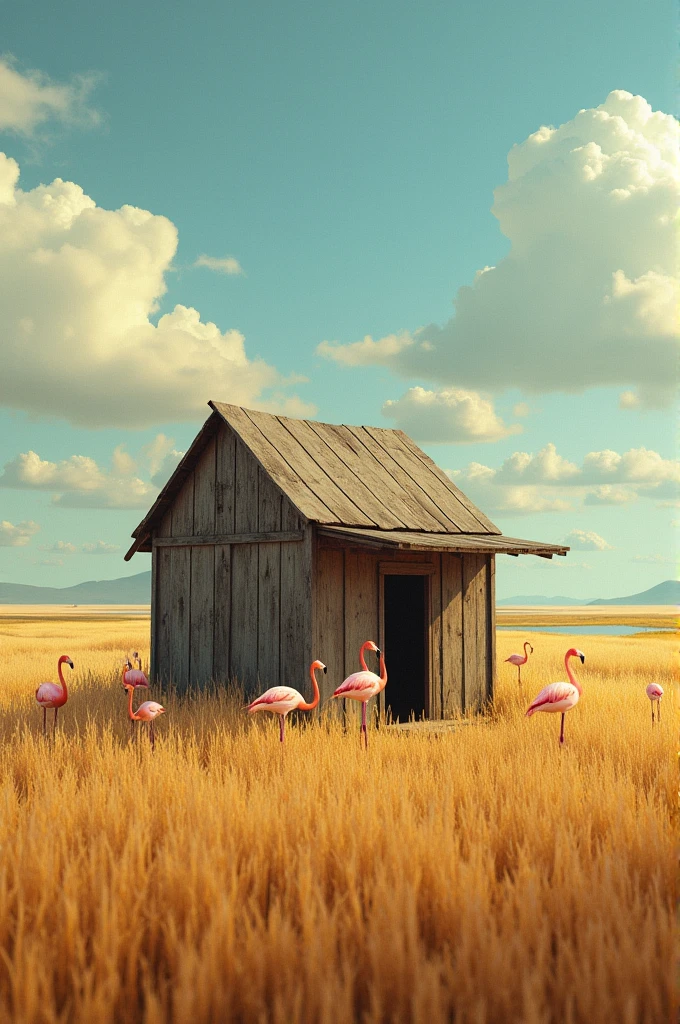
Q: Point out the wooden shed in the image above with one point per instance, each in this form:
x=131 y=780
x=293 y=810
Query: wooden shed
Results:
x=277 y=541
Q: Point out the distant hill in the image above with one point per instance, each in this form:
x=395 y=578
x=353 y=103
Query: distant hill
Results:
x=538 y=599
x=126 y=590
x=667 y=592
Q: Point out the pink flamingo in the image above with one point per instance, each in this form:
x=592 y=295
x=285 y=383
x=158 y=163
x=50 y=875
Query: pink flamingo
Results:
x=518 y=660
x=655 y=693
x=49 y=695
x=146 y=712
x=281 y=700
x=134 y=676
x=559 y=696
x=363 y=685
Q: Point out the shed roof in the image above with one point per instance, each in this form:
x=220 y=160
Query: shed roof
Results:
x=335 y=475
x=403 y=540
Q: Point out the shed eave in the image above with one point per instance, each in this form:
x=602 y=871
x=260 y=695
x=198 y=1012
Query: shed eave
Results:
x=402 y=540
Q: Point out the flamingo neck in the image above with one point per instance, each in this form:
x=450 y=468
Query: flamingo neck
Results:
x=383 y=672
x=131 y=713
x=61 y=679
x=315 y=701
x=526 y=644
x=362 y=659
x=572 y=678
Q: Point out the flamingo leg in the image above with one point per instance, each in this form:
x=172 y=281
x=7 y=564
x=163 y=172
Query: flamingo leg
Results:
x=658 y=710
x=54 y=728
x=44 y=721
x=282 y=724
x=562 y=729
x=652 y=704
x=519 y=674
x=151 y=735
x=363 y=723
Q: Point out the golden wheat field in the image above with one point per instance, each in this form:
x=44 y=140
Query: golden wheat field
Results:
x=482 y=875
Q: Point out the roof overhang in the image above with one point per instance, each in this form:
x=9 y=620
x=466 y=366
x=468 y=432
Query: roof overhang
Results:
x=402 y=540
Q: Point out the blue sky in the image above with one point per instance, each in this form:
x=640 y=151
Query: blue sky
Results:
x=346 y=157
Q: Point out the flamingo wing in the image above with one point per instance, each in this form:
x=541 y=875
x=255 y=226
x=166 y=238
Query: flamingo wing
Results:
x=360 y=686
x=148 y=710
x=554 y=697
x=277 y=695
x=516 y=659
x=135 y=677
x=48 y=693
x=654 y=691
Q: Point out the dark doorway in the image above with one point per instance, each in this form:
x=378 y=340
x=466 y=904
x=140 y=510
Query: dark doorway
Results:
x=406 y=646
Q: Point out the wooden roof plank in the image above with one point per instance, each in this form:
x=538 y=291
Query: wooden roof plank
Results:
x=361 y=463
x=438 y=491
x=349 y=483
x=409 y=540
x=394 y=489
x=420 y=498
x=306 y=469
x=278 y=469
x=476 y=512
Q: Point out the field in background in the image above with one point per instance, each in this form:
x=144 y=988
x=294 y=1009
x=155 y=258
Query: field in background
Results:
x=483 y=874
x=644 y=616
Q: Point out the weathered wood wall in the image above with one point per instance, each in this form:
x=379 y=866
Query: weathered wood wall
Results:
x=231 y=611
x=461 y=622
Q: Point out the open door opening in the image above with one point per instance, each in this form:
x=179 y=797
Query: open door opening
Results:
x=405 y=605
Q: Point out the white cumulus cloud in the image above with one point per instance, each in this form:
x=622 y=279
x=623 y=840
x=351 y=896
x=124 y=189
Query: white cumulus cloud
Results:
x=79 y=286
x=221 y=265
x=30 y=98
x=586 y=540
x=100 y=547
x=547 y=482
x=450 y=415
x=79 y=482
x=588 y=293
x=17 y=536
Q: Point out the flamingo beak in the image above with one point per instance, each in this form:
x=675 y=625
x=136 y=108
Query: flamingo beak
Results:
x=325 y=670
x=378 y=652
x=582 y=657
x=70 y=664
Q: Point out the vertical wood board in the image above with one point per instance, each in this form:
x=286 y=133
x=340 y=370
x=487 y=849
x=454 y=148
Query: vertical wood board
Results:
x=203 y=570
x=435 y=640
x=329 y=640
x=296 y=603
x=269 y=584
x=225 y=485
x=491 y=626
x=453 y=689
x=180 y=619
x=361 y=614
x=244 y=635
x=474 y=631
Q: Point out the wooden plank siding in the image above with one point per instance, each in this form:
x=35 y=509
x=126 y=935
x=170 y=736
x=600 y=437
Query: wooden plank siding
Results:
x=201 y=631
x=269 y=585
x=453 y=688
x=161 y=608
x=244 y=568
x=296 y=603
x=225 y=482
x=329 y=629
x=360 y=615
x=475 y=647
x=435 y=639
x=180 y=613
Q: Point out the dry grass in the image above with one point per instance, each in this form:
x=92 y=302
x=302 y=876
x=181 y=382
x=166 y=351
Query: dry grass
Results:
x=479 y=876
